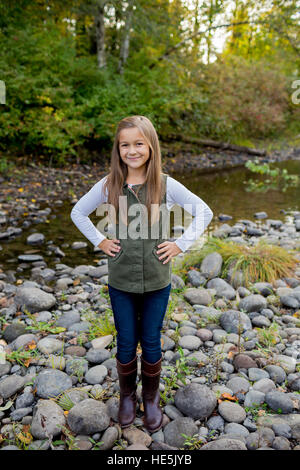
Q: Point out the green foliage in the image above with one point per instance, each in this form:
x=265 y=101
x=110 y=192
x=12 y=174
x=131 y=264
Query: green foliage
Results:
x=46 y=327
x=60 y=105
x=64 y=401
x=6 y=166
x=21 y=356
x=192 y=442
x=276 y=178
x=101 y=324
x=178 y=372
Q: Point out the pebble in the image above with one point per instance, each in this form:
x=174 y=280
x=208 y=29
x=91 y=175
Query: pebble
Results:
x=216 y=328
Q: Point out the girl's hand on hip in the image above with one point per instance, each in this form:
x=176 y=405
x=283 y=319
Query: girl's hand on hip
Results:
x=167 y=251
x=110 y=247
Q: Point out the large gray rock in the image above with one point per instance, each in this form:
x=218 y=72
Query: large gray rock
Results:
x=195 y=400
x=109 y=437
x=279 y=402
x=68 y=318
x=96 y=375
x=212 y=265
x=223 y=289
x=88 y=417
x=287 y=363
x=189 y=342
x=97 y=355
x=197 y=295
x=14 y=330
x=232 y=412
x=22 y=340
x=254 y=397
x=238 y=385
x=51 y=382
x=253 y=303
x=34 y=299
x=224 y=444
x=48 y=417
x=49 y=345
x=232 y=321
x=263 y=437
x=276 y=373
x=264 y=288
x=10 y=385
x=173 y=431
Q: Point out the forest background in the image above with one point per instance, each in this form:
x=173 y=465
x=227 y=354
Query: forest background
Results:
x=222 y=70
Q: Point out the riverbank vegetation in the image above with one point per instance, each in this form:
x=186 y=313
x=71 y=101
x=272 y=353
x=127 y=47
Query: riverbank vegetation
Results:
x=262 y=262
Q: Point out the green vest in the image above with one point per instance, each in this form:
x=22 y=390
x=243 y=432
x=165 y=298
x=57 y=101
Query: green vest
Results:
x=136 y=267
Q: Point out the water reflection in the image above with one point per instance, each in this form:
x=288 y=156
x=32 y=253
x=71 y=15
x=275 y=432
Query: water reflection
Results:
x=223 y=191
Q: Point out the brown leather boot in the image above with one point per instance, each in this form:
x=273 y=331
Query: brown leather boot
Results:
x=127 y=379
x=153 y=414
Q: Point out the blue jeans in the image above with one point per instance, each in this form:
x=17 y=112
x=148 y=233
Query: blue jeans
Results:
x=139 y=317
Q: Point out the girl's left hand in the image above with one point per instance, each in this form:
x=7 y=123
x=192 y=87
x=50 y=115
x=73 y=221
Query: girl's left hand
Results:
x=167 y=251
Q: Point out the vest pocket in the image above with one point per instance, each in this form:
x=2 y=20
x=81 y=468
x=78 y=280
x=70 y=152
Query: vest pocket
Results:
x=117 y=255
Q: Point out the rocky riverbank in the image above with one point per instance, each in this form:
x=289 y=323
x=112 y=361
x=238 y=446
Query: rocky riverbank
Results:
x=29 y=193
x=208 y=160
x=231 y=357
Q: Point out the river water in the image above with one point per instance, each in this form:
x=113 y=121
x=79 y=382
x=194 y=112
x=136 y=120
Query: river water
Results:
x=225 y=192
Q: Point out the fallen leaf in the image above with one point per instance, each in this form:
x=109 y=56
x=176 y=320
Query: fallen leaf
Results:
x=31 y=345
x=76 y=282
x=227 y=396
x=26 y=438
x=26 y=427
x=27 y=362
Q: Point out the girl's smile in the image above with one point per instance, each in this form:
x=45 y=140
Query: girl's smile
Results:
x=134 y=151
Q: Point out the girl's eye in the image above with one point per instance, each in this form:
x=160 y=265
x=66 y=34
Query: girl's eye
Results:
x=125 y=145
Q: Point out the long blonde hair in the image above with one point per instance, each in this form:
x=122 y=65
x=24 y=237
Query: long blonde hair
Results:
x=118 y=169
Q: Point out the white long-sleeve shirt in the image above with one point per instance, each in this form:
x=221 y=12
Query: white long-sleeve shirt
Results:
x=176 y=193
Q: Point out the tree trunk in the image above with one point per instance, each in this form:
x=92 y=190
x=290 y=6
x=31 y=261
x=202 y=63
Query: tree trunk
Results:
x=100 y=33
x=220 y=145
x=124 y=51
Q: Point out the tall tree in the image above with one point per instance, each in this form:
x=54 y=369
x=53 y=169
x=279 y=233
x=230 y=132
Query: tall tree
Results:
x=124 y=50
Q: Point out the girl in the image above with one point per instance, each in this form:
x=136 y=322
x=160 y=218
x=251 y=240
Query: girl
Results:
x=139 y=256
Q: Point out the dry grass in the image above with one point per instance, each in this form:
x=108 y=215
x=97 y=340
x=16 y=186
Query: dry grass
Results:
x=260 y=263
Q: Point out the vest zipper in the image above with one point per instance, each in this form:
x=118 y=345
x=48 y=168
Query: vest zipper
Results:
x=133 y=192
x=130 y=189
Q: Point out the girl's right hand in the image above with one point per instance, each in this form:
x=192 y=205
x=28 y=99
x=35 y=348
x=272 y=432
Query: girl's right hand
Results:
x=110 y=246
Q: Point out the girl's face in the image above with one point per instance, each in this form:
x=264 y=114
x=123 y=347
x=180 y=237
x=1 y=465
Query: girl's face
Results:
x=133 y=148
